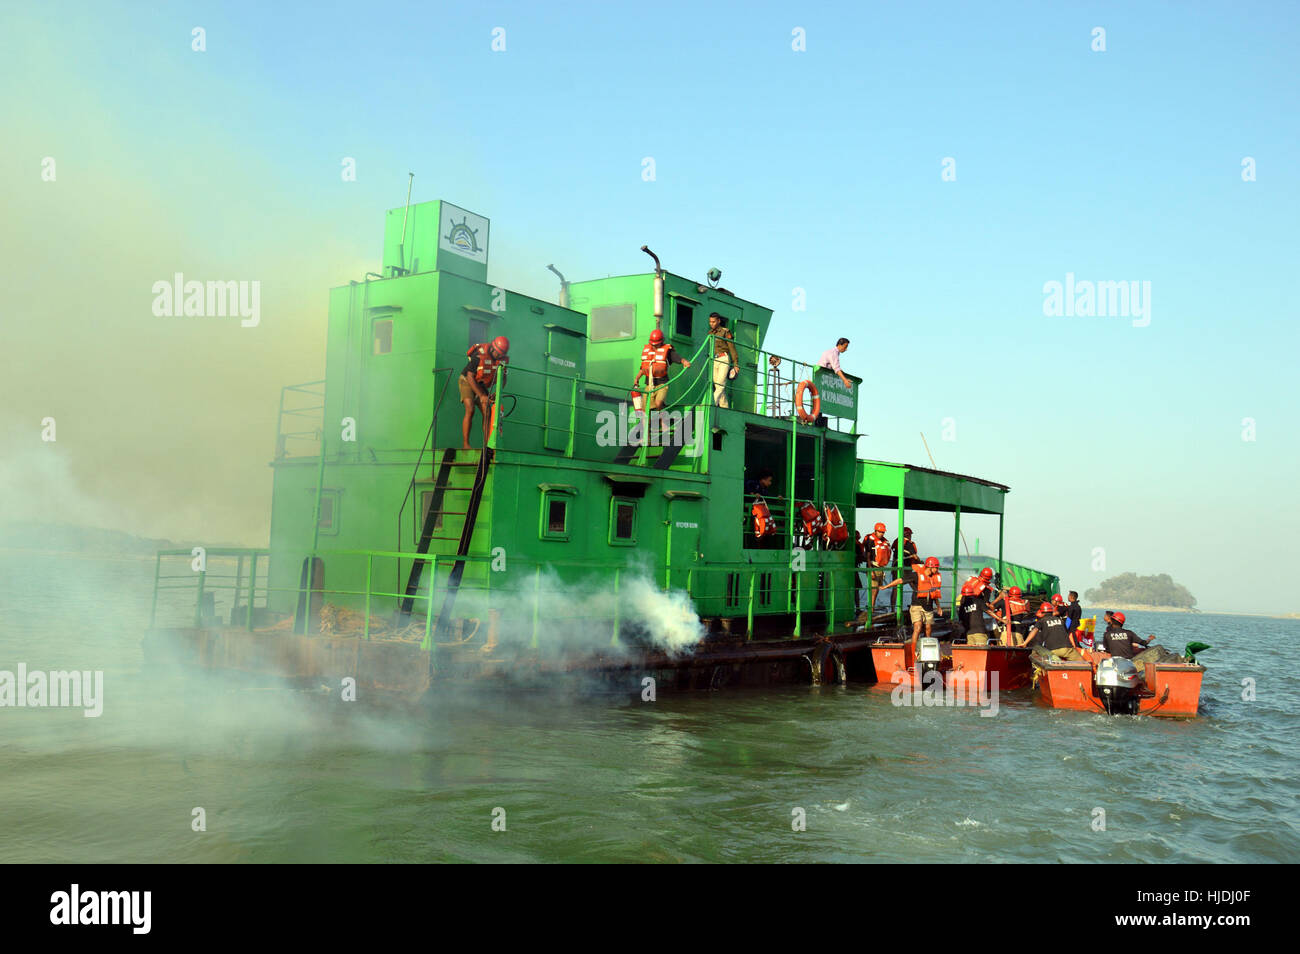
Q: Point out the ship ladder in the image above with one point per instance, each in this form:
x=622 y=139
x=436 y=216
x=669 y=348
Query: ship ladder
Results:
x=466 y=535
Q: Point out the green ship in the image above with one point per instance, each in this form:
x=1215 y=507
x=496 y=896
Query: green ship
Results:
x=582 y=537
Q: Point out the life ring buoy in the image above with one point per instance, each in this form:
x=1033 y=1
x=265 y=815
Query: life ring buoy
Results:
x=804 y=416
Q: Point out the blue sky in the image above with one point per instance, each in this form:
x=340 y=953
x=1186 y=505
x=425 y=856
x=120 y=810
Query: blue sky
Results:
x=819 y=170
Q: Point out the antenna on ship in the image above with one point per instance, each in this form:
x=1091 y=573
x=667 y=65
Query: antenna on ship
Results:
x=401 y=246
x=659 y=286
x=564 y=287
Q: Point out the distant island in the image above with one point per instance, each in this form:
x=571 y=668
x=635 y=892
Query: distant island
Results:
x=92 y=541
x=1130 y=591
x=65 y=538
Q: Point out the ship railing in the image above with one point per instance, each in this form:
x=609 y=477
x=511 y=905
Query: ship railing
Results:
x=300 y=419
x=551 y=404
x=211 y=571
x=552 y=601
x=753 y=590
x=231 y=586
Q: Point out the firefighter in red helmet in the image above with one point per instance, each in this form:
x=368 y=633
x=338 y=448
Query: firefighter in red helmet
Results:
x=926 y=580
x=477 y=382
x=656 y=358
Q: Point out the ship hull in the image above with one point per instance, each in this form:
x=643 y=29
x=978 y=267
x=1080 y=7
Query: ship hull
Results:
x=403 y=668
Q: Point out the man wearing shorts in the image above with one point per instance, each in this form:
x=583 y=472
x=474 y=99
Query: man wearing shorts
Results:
x=926 y=581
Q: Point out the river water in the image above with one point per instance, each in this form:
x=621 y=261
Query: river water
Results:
x=286 y=775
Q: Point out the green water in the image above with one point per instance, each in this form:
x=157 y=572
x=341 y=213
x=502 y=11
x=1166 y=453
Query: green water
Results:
x=299 y=776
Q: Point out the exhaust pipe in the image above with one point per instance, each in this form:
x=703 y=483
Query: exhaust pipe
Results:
x=659 y=286
x=564 y=287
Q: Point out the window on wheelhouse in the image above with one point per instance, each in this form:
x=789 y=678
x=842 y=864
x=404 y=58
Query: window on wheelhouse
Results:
x=383 y=336
x=622 y=529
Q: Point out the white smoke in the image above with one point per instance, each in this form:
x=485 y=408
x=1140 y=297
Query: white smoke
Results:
x=576 y=617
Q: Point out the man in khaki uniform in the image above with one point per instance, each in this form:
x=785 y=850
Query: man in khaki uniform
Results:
x=725 y=362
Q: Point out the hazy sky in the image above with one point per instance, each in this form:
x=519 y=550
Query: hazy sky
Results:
x=821 y=170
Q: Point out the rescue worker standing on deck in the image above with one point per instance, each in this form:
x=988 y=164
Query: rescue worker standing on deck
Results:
x=477 y=381
x=725 y=363
x=1073 y=612
x=877 y=552
x=909 y=551
x=656 y=358
x=926 y=581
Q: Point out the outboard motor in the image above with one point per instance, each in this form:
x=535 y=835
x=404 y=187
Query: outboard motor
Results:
x=927 y=659
x=1118 y=683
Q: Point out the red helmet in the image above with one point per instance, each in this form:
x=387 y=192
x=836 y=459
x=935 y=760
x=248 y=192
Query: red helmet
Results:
x=986 y=574
x=932 y=563
x=1057 y=599
x=907 y=531
x=1118 y=617
x=967 y=590
x=656 y=337
x=880 y=528
x=1043 y=608
x=1014 y=592
x=501 y=345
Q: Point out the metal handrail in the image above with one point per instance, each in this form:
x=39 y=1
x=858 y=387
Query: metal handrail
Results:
x=218 y=582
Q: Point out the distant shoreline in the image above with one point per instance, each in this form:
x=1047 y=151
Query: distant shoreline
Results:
x=1143 y=608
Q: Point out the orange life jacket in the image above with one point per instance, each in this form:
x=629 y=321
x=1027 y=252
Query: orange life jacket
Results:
x=762 y=519
x=1017 y=606
x=654 y=361
x=486 y=372
x=928 y=583
x=978 y=585
x=835 y=532
x=812 y=518
x=881 y=547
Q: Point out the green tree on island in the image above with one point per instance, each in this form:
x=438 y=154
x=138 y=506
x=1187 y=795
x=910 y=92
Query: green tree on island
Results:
x=1129 y=588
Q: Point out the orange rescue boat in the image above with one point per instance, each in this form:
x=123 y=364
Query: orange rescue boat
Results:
x=1102 y=683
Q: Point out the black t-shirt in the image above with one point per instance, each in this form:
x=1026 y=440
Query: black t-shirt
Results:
x=909 y=552
x=1074 y=612
x=1120 y=642
x=971 y=611
x=1053 y=633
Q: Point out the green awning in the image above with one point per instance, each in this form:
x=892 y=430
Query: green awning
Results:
x=880 y=484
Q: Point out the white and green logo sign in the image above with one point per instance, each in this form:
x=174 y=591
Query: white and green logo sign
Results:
x=463 y=232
